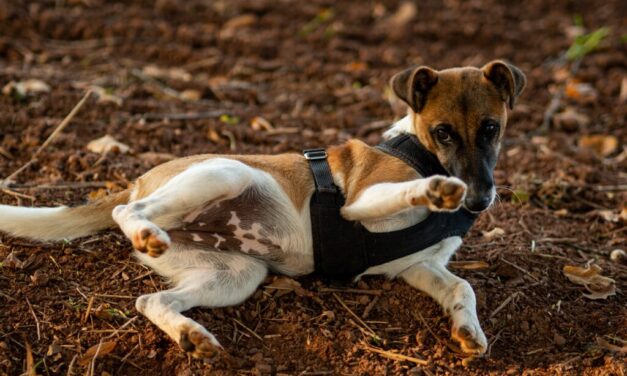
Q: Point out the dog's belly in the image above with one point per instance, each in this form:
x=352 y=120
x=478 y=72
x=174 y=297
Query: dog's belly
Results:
x=257 y=223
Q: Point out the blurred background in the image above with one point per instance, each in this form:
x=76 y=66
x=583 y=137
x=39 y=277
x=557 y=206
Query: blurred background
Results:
x=172 y=78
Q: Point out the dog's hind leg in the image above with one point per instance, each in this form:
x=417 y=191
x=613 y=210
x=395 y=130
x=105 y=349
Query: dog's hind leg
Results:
x=201 y=278
x=144 y=221
x=457 y=298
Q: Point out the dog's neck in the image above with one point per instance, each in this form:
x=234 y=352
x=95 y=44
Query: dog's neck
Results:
x=404 y=125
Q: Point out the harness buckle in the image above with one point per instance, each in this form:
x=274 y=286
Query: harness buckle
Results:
x=315 y=154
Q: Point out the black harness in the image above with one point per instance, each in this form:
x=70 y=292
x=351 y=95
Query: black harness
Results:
x=344 y=249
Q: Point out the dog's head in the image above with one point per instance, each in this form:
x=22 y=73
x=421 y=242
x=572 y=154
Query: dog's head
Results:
x=460 y=115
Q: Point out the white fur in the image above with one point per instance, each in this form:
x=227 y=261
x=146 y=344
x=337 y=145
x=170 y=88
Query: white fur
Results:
x=44 y=223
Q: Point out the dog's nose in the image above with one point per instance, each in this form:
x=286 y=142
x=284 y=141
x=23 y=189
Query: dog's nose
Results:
x=477 y=204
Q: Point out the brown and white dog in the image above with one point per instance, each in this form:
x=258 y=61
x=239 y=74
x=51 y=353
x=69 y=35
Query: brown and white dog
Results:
x=214 y=225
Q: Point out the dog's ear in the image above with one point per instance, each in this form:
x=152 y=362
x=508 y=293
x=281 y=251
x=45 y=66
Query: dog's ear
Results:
x=509 y=80
x=412 y=86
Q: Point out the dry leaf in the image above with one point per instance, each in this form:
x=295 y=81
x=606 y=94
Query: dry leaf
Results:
x=23 y=88
x=97 y=194
x=609 y=215
x=600 y=287
x=258 y=123
x=229 y=28
x=105 y=96
x=623 y=90
x=580 y=91
x=570 y=120
x=469 y=265
x=100 y=349
x=190 y=95
x=405 y=13
x=11 y=261
x=171 y=73
x=107 y=144
x=495 y=232
x=600 y=144
x=285 y=285
x=619 y=256
x=608 y=346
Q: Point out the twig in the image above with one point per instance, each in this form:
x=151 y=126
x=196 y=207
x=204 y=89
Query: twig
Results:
x=71 y=366
x=248 y=329
x=92 y=364
x=120 y=328
x=77 y=185
x=164 y=89
x=30 y=362
x=183 y=116
x=89 y=305
x=353 y=291
x=50 y=138
x=369 y=307
x=394 y=356
x=505 y=302
x=32 y=311
x=115 y=296
x=16 y=194
x=125 y=358
x=521 y=269
x=359 y=320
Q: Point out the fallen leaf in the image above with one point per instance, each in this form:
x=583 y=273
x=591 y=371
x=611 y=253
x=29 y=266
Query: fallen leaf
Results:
x=100 y=349
x=11 y=261
x=580 y=91
x=230 y=26
x=97 y=194
x=618 y=256
x=285 y=285
x=608 y=346
x=156 y=158
x=258 y=123
x=190 y=95
x=167 y=73
x=495 y=232
x=107 y=144
x=106 y=95
x=623 y=90
x=570 y=120
x=600 y=287
x=609 y=215
x=406 y=12
x=601 y=144
x=23 y=88
x=469 y=265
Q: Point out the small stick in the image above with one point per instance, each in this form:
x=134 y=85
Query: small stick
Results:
x=89 y=305
x=353 y=291
x=369 y=307
x=394 y=356
x=126 y=357
x=32 y=311
x=16 y=194
x=120 y=328
x=248 y=329
x=359 y=320
x=77 y=185
x=451 y=347
x=71 y=366
x=505 y=302
x=115 y=296
x=50 y=138
x=521 y=269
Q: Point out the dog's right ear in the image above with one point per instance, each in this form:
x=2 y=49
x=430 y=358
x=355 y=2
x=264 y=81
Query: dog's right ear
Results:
x=412 y=86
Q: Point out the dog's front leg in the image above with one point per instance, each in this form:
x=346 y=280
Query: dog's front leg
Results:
x=457 y=298
x=438 y=193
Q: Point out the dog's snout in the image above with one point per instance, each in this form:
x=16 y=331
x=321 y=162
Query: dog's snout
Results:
x=477 y=204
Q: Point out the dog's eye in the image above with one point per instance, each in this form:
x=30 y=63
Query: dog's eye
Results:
x=490 y=128
x=443 y=136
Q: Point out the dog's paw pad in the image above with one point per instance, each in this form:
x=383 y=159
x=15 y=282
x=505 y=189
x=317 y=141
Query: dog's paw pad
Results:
x=445 y=194
x=152 y=241
x=199 y=343
x=472 y=340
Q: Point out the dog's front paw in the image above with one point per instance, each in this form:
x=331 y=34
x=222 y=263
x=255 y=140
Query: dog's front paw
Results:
x=445 y=194
x=151 y=240
x=198 y=342
x=471 y=338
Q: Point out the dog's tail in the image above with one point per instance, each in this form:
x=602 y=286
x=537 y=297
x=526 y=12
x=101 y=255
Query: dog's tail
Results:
x=62 y=222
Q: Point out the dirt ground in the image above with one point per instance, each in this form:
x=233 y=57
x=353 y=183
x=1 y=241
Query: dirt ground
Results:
x=317 y=72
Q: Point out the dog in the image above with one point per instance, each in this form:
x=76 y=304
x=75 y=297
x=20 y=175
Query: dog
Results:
x=214 y=225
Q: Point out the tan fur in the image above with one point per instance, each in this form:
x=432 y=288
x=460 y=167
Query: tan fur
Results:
x=361 y=166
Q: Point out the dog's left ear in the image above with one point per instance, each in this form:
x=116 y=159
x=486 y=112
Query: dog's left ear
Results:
x=413 y=85
x=509 y=80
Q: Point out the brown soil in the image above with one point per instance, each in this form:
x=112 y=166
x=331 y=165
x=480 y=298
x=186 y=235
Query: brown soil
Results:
x=317 y=71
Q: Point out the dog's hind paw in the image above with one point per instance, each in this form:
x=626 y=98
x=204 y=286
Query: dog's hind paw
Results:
x=151 y=240
x=198 y=342
x=445 y=193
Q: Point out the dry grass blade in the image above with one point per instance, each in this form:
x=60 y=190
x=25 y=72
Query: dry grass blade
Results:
x=359 y=320
x=394 y=356
x=5 y=183
x=32 y=311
